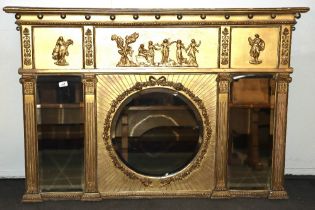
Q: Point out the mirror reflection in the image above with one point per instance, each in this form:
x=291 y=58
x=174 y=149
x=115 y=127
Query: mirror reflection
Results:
x=250 y=131
x=157 y=132
x=60 y=130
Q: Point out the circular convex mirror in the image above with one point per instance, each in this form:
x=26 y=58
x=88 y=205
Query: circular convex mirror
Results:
x=156 y=132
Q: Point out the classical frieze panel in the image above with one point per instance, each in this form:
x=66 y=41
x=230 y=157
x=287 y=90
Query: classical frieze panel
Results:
x=157 y=47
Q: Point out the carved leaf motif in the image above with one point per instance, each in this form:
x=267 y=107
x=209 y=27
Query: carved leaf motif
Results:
x=69 y=42
x=88 y=32
x=26 y=32
x=119 y=41
x=286 y=32
x=225 y=31
x=132 y=38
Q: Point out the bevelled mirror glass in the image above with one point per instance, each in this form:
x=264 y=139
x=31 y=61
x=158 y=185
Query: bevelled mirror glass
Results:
x=251 y=109
x=157 y=132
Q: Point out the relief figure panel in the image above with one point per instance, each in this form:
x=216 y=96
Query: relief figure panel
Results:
x=254 y=47
x=58 y=48
x=157 y=47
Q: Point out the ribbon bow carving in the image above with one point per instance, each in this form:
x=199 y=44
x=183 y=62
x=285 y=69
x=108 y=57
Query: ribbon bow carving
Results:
x=158 y=81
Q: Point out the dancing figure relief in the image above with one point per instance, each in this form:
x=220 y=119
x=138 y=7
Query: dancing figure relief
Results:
x=151 y=52
x=147 y=56
x=192 y=50
x=257 y=45
x=61 y=51
x=165 y=51
x=179 y=53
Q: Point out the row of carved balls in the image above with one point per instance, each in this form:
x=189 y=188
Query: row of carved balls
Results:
x=136 y=16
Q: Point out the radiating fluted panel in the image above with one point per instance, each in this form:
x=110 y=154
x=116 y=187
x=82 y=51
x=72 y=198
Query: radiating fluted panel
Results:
x=197 y=178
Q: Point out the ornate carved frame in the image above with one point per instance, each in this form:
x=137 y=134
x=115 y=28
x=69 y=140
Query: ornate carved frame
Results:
x=160 y=82
x=226 y=20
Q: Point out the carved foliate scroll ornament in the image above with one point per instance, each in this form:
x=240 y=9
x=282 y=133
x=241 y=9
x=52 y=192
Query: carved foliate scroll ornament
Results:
x=256 y=46
x=61 y=51
x=88 y=41
x=285 y=46
x=27 y=52
x=185 y=56
x=225 y=39
x=125 y=49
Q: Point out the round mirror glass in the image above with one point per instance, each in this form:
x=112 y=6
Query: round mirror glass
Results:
x=157 y=132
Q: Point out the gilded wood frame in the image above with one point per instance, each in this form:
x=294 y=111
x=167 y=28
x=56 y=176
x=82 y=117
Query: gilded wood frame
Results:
x=88 y=19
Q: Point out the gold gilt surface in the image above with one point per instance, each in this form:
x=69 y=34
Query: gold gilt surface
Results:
x=78 y=41
x=112 y=181
x=207 y=56
x=45 y=40
x=240 y=47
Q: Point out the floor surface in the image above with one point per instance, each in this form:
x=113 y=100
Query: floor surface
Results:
x=301 y=191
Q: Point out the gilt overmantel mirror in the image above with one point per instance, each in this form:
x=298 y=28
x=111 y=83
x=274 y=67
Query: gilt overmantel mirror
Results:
x=155 y=103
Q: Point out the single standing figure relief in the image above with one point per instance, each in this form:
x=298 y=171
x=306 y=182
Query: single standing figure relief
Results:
x=257 y=45
x=165 y=50
x=151 y=52
x=146 y=56
x=192 y=50
x=125 y=50
x=61 y=51
x=179 y=53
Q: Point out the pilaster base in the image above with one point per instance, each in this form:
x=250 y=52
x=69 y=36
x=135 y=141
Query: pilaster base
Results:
x=221 y=194
x=281 y=194
x=91 y=197
x=32 y=198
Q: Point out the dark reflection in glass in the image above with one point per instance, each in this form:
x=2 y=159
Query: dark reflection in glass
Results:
x=157 y=132
x=60 y=132
x=250 y=132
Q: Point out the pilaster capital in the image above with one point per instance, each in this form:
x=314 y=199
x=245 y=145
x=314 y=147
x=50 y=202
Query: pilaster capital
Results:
x=224 y=80
x=28 y=82
x=283 y=77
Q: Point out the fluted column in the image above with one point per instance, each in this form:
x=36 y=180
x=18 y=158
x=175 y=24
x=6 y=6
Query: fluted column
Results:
x=90 y=143
x=30 y=140
x=278 y=156
x=223 y=82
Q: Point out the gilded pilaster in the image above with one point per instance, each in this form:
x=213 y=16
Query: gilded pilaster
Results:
x=223 y=82
x=30 y=138
x=90 y=147
x=277 y=177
